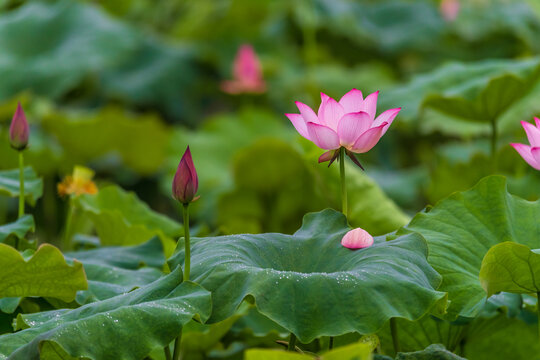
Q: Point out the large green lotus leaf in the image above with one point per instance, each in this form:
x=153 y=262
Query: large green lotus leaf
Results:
x=39 y=36
x=310 y=284
x=120 y=218
x=125 y=327
x=435 y=351
x=510 y=267
x=148 y=254
x=19 y=228
x=499 y=94
x=454 y=79
x=463 y=227
x=505 y=338
x=116 y=270
x=140 y=141
x=46 y=273
x=159 y=75
x=33 y=185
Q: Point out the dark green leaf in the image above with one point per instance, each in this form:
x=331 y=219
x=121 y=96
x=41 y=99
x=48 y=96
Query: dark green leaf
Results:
x=304 y=281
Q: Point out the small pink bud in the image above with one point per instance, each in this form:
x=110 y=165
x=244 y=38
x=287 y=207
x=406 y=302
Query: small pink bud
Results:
x=185 y=182
x=19 y=131
x=357 y=239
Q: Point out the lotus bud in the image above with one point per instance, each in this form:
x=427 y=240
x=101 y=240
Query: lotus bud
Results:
x=185 y=182
x=357 y=239
x=19 y=131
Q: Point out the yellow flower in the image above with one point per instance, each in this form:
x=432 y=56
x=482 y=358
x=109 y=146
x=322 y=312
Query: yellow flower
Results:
x=78 y=183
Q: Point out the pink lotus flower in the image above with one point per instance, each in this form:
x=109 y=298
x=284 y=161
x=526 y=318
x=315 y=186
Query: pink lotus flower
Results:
x=19 y=131
x=247 y=73
x=349 y=123
x=185 y=182
x=530 y=153
x=357 y=239
x=449 y=9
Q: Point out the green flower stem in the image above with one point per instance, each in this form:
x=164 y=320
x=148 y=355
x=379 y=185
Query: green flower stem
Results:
x=292 y=343
x=343 y=183
x=167 y=351
x=394 y=332
x=21 y=182
x=177 y=354
x=331 y=343
x=68 y=226
x=494 y=136
x=186 y=243
x=538 y=312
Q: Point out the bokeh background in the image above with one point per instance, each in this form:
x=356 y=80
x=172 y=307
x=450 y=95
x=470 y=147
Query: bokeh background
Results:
x=124 y=86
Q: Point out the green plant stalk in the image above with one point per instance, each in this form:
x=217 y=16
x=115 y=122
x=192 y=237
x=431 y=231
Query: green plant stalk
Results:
x=343 y=183
x=538 y=312
x=66 y=241
x=167 y=352
x=494 y=136
x=394 y=332
x=177 y=353
x=21 y=184
x=187 y=248
x=331 y=343
x=292 y=343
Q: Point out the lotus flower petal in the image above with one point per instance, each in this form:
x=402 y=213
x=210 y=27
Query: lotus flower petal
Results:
x=357 y=239
x=299 y=124
x=352 y=101
x=535 y=152
x=533 y=133
x=330 y=114
x=351 y=126
x=323 y=136
x=19 y=130
x=387 y=116
x=307 y=113
x=537 y=122
x=324 y=98
x=370 y=104
x=526 y=154
x=368 y=139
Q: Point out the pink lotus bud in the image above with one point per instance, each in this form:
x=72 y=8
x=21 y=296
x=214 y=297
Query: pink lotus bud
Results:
x=450 y=9
x=19 y=131
x=185 y=182
x=530 y=153
x=357 y=239
x=247 y=73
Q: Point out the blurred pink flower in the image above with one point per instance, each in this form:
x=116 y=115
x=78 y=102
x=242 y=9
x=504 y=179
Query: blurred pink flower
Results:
x=19 y=131
x=185 y=182
x=450 y=9
x=349 y=123
x=530 y=153
x=247 y=73
x=357 y=239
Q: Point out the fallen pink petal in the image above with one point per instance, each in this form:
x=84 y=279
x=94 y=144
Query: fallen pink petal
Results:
x=357 y=239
